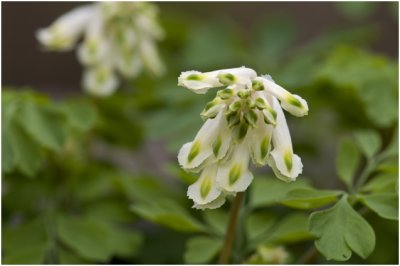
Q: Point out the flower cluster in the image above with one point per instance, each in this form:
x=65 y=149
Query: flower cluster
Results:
x=241 y=122
x=119 y=39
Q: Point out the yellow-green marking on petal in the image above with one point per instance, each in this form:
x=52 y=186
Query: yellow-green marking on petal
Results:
x=194 y=77
x=235 y=173
x=288 y=160
x=264 y=147
x=194 y=151
x=294 y=101
x=217 y=145
x=205 y=187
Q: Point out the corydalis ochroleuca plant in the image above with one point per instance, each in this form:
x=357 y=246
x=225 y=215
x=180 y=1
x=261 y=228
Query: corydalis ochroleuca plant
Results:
x=244 y=121
x=119 y=38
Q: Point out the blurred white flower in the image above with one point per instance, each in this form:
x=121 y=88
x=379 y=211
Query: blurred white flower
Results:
x=244 y=122
x=119 y=39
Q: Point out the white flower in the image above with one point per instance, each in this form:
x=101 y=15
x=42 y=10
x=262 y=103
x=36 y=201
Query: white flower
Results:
x=100 y=81
x=120 y=35
x=244 y=121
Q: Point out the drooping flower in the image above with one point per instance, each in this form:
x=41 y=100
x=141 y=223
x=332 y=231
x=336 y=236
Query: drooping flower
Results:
x=119 y=39
x=244 y=122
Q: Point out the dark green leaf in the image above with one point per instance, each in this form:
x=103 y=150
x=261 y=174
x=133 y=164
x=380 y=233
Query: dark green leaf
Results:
x=217 y=219
x=381 y=183
x=80 y=114
x=292 y=228
x=341 y=230
x=201 y=249
x=257 y=224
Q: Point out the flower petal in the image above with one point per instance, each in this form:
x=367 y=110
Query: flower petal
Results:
x=282 y=158
x=205 y=189
x=260 y=142
x=100 y=81
x=294 y=104
x=218 y=202
x=66 y=30
x=234 y=175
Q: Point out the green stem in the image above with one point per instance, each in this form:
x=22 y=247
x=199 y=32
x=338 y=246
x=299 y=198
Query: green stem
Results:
x=230 y=233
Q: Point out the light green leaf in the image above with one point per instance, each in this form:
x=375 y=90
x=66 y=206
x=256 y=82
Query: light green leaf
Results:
x=201 y=249
x=217 y=219
x=257 y=224
x=86 y=237
x=308 y=198
x=68 y=257
x=341 y=230
x=347 y=160
x=368 y=141
x=269 y=190
x=27 y=153
x=292 y=228
x=168 y=213
x=80 y=114
x=44 y=125
x=384 y=204
x=385 y=182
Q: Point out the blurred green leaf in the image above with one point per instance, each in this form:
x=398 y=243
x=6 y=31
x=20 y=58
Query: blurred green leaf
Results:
x=269 y=190
x=368 y=141
x=341 y=230
x=293 y=228
x=356 y=10
x=7 y=158
x=200 y=53
x=168 y=213
x=27 y=153
x=80 y=114
x=273 y=38
x=217 y=219
x=373 y=77
x=201 y=249
x=308 y=198
x=86 y=237
x=381 y=183
x=45 y=125
x=347 y=160
x=111 y=210
x=68 y=257
x=384 y=204
x=257 y=224
x=25 y=244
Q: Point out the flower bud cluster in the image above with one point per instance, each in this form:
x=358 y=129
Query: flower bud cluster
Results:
x=119 y=39
x=244 y=121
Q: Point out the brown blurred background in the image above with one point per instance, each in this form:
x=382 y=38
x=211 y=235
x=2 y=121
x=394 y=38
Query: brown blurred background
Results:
x=26 y=64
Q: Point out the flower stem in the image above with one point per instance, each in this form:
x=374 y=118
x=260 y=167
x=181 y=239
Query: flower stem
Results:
x=231 y=231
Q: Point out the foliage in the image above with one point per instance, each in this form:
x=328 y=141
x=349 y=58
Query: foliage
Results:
x=67 y=201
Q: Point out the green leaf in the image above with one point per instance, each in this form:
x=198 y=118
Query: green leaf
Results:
x=369 y=142
x=383 y=204
x=217 y=219
x=308 y=198
x=385 y=182
x=86 y=237
x=257 y=224
x=25 y=244
x=68 y=257
x=201 y=249
x=27 y=153
x=292 y=228
x=45 y=125
x=341 y=230
x=168 y=213
x=7 y=158
x=347 y=160
x=80 y=114
x=269 y=190
x=34 y=254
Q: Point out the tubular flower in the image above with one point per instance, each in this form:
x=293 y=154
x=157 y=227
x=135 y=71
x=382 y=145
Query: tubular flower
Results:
x=244 y=122
x=119 y=39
